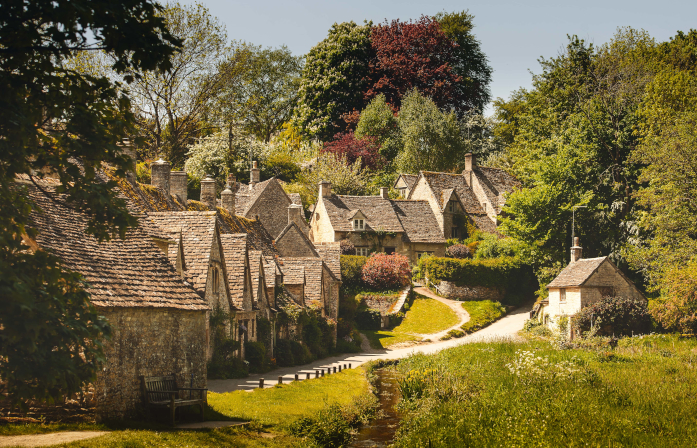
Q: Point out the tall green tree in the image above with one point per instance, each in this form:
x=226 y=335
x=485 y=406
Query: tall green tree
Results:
x=334 y=79
x=55 y=120
x=261 y=98
x=378 y=120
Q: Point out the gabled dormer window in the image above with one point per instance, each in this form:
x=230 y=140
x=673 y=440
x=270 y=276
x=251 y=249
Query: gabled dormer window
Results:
x=358 y=224
x=451 y=206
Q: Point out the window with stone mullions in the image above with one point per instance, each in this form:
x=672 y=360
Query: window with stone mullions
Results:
x=358 y=224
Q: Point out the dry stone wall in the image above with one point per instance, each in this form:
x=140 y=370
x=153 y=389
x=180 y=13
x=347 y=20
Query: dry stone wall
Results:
x=452 y=291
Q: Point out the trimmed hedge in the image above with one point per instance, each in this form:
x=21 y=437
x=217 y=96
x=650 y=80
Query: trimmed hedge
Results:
x=351 y=269
x=509 y=273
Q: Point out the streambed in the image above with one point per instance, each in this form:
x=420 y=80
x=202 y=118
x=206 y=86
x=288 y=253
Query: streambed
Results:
x=381 y=431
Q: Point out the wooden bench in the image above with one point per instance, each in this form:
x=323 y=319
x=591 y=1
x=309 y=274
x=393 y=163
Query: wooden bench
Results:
x=163 y=392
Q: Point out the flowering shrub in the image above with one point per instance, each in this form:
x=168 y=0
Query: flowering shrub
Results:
x=347 y=247
x=458 y=251
x=382 y=271
x=617 y=316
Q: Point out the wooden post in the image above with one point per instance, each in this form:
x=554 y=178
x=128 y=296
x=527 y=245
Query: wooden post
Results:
x=261 y=383
x=280 y=380
x=334 y=369
x=339 y=367
x=296 y=377
x=316 y=373
x=323 y=372
x=349 y=365
x=308 y=376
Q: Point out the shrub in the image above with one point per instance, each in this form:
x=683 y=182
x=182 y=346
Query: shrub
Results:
x=617 y=316
x=382 y=271
x=284 y=354
x=482 y=313
x=509 y=273
x=348 y=146
x=347 y=247
x=458 y=251
x=453 y=334
x=676 y=310
x=301 y=354
x=255 y=354
x=343 y=346
x=351 y=269
x=280 y=165
x=368 y=320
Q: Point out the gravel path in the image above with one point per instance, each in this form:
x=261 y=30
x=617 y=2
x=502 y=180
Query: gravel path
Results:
x=55 y=438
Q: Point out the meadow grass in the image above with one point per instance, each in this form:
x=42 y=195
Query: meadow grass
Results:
x=482 y=313
x=425 y=316
x=271 y=411
x=642 y=393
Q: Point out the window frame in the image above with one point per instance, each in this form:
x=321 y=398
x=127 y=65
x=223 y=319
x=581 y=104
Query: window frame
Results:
x=362 y=251
x=358 y=224
x=562 y=295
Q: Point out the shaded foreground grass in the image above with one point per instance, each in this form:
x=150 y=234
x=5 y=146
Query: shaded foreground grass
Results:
x=643 y=393
x=271 y=411
x=425 y=316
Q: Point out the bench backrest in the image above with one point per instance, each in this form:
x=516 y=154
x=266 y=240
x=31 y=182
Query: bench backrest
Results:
x=158 y=383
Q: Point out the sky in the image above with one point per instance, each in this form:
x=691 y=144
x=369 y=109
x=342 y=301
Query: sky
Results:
x=513 y=35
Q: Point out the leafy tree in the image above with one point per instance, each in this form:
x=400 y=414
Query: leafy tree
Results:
x=414 y=55
x=468 y=60
x=55 y=120
x=262 y=97
x=432 y=139
x=172 y=105
x=347 y=146
x=345 y=178
x=334 y=79
x=379 y=121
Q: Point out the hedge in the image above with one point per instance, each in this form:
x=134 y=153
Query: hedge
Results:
x=509 y=273
x=351 y=268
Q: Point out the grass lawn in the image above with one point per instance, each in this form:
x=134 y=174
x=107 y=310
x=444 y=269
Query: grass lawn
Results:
x=425 y=316
x=642 y=393
x=270 y=410
x=482 y=313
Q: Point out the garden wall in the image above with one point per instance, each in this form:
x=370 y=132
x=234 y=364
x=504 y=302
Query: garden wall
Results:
x=450 y=290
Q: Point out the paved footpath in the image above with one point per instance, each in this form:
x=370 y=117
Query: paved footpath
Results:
x=505 y=328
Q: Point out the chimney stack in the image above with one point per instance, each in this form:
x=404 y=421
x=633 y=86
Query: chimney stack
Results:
x=127 y=149
x=208 y=191
x=227 y=200
x=325 y=189
x=576 y=251
x=295 y=215
x=385 y=192
x=470 y=164
x=254 y=174
x=177 y=185
x=159 y=175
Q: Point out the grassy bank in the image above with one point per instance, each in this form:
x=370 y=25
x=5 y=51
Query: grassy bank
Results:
x=425 y=316
x=642 y=393
x=322 y=411
x=482 y=313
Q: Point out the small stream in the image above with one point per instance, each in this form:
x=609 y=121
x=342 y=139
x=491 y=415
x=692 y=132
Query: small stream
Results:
x=380 y=432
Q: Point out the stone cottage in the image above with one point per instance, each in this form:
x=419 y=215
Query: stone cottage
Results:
x=583 y=282
x=476 y=195
x=158 y=320
x=376 y=224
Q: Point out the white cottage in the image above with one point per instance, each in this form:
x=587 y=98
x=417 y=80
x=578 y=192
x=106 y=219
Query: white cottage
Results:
x=582 y=283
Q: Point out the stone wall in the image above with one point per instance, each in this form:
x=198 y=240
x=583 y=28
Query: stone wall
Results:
x=452 y=291
x=148 y=342
x=294 y=244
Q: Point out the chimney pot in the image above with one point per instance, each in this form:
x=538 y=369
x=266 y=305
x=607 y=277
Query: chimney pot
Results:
x=254 y=174
x=576 y=250
x=384 y=192
x=325 y=189
x=159 y=175
x=127 y=149
x=177 y=185
x=208 y=191
x=295 y=215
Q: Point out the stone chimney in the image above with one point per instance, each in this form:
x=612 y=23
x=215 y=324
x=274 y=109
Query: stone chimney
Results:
x=295 y=215
x=208 y=191
x=177 y=185
x=227 y=200
x=254 y=174
x=384 y=192
x=159 y=175
x=127 y=149
x=325 y=189
x=470 y=164
x=576 y=251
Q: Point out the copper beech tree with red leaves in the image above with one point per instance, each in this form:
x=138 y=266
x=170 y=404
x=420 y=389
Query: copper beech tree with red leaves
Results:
x=416 y=55
x=346 y=144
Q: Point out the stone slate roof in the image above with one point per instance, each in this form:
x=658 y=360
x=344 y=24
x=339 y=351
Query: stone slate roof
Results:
x=257 y=236
x=293 y=274
x=197 y=230
x=131 y=272
x=269 y=268
x=234 y=253
x=377 y=210
x=312 y=268
x=409 y=179
x=418 y=221
x=246 y=196
x=500 y=181
x=576 y=274
x=330 y=252
x=445 y=181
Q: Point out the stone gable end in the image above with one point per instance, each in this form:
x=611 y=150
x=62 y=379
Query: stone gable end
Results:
x=272 y=208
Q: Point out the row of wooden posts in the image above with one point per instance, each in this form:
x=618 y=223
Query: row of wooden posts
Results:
x=318 y=373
